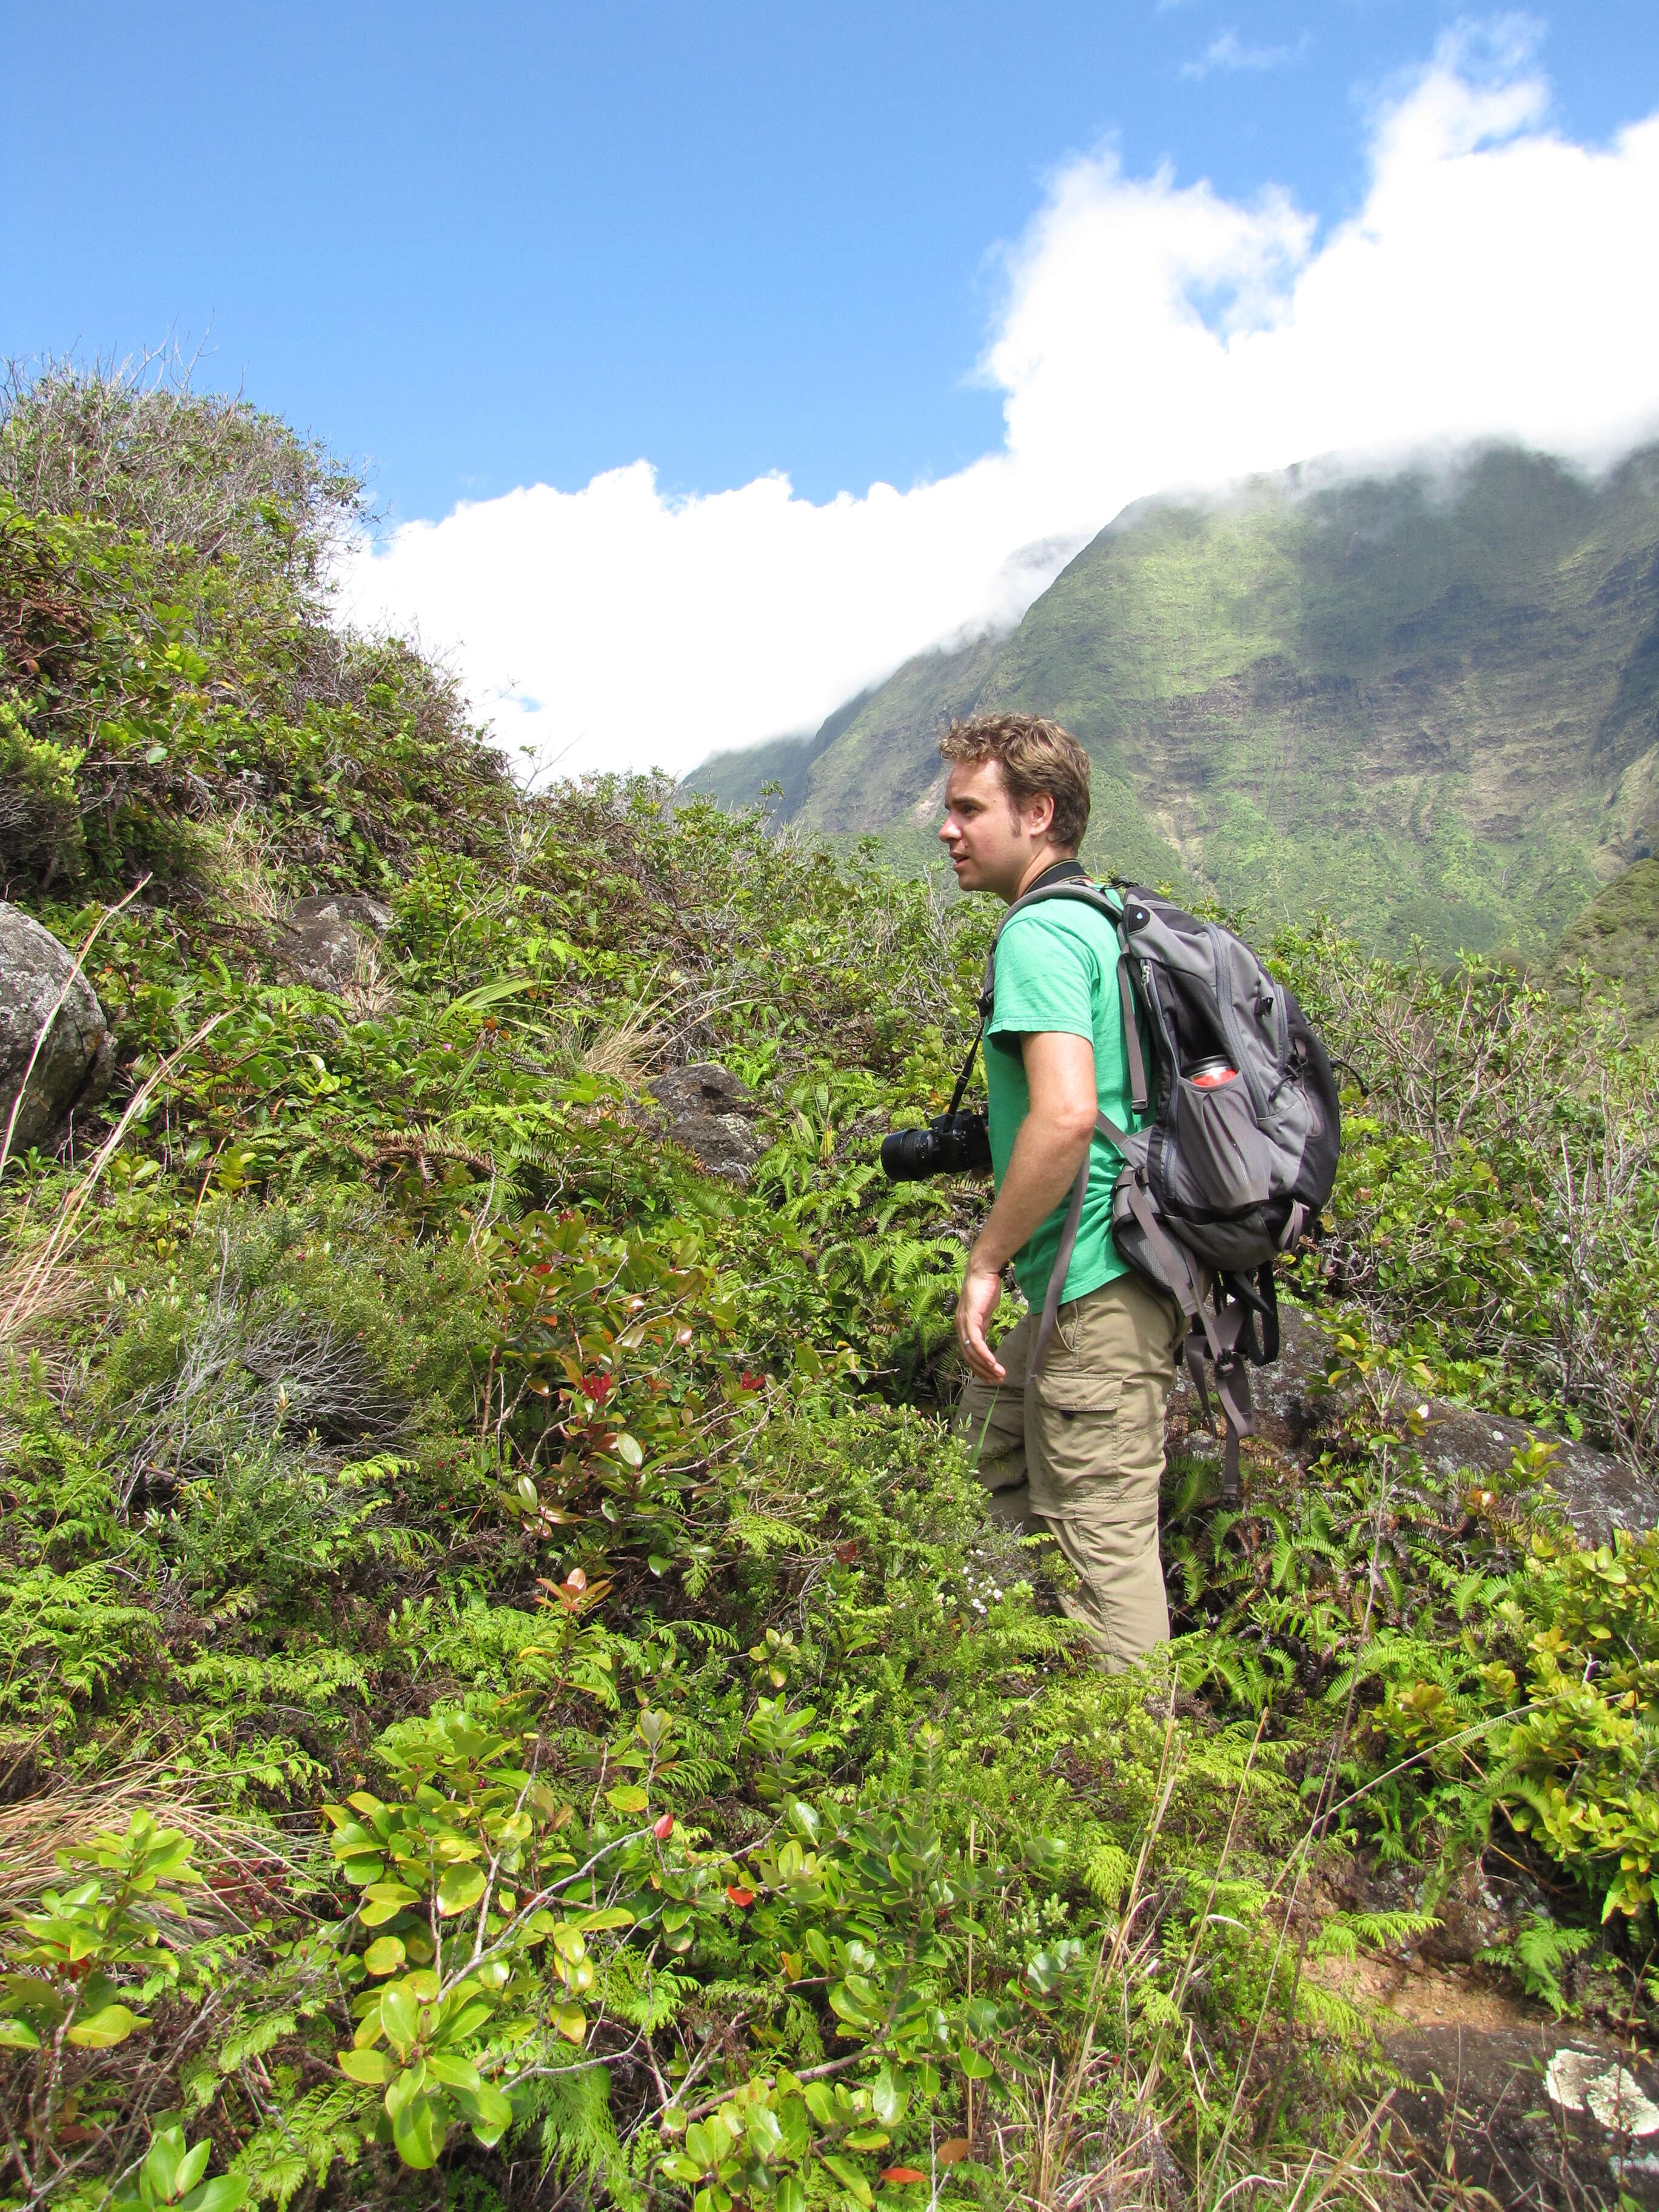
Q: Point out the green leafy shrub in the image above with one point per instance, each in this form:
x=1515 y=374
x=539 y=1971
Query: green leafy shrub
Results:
x=1497 y=1188
x=720 y=1812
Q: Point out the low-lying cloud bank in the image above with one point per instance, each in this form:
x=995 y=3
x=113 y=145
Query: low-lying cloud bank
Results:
x=1496 y=282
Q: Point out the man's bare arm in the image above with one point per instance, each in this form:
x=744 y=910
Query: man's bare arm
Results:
x=1049 y=1149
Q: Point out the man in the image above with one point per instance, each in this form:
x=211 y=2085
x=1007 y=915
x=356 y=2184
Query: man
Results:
x=1076 y=1457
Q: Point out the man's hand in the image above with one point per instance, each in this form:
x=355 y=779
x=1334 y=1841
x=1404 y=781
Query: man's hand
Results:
x=1052 y=1146
x=981 y=1290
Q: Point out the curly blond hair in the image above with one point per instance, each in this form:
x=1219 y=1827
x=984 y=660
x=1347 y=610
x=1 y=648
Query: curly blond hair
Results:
x=1035 y=756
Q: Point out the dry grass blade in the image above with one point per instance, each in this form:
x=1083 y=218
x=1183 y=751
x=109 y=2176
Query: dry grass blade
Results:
x=247 y=1868
x=25 y=1305
x=65 y=1291
x=249 y=859
x=625 y=1052
x=369 y=995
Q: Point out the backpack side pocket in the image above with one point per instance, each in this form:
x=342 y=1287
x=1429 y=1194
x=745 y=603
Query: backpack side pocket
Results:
x=1224 y=1155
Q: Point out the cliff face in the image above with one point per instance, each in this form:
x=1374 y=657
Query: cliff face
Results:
x=1429 y=705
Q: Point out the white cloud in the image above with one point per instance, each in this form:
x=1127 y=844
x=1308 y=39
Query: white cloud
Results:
x=1228 y=52
x=1494 y=283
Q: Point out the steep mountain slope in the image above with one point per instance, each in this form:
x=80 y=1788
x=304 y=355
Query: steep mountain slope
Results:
x=1430 y=704
x=1616 y=938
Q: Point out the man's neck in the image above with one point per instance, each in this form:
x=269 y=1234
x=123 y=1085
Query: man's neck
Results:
x=1040 y=862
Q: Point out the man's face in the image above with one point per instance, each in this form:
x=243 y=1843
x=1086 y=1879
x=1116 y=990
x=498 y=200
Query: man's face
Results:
x=991 y=845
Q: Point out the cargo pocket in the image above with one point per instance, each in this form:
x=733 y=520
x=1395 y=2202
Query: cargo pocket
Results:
x=1072 y=1421
x=1222 y=1148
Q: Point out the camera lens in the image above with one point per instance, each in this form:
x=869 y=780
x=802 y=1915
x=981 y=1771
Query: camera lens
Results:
x=909 y=1155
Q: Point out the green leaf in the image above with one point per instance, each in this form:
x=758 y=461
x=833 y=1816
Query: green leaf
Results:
x=571 y=2022
x=454 y=2072
x=18 y=2035
x=820 y=2102
x=384 y=1901
x=850 y=2180
x=385 y=1955
x=162 y=2160
x=489 y=2112
x=887 y=2099
x=190 y=2168
x=628 y=1798
x=106 y=2028
x=627 y=1450
x=406 y=2087
x=222 y=2194
x=370 y=2066
x=461 y=1885
x=613 y=1916
x=400 y=2014
x=418 y=2131
x=361 y=1872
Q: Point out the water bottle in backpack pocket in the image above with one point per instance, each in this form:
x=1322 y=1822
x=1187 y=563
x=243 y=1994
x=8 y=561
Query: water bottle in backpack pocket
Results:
x=1226 y=1163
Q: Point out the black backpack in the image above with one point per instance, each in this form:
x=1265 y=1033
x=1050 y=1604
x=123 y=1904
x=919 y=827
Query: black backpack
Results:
x=1238 y=1148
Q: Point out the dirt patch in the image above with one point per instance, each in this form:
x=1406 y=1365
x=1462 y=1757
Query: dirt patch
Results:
x=1396 y=1997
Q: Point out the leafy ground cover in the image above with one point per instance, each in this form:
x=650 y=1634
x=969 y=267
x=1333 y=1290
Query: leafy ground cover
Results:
x=506 y=1695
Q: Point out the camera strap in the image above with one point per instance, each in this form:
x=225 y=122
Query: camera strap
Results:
x=968 y=1065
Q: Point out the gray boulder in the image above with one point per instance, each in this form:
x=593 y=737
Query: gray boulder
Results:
x=323 y=941
x=705 y=1108
x=1296 y=1413
x=73 y=1070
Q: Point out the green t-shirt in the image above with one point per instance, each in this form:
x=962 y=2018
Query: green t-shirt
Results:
x=1056 y=970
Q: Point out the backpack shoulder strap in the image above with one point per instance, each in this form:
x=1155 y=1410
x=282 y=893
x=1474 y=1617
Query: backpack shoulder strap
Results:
x=1108 y=901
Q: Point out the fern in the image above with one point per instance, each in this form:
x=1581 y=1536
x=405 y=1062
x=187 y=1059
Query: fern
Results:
x=328 y=2124
x=578 y=2132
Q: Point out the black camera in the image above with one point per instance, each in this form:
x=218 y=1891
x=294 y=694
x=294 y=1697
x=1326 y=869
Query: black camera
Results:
x=951 y=1144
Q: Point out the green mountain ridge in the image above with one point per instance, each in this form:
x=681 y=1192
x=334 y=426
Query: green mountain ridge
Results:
x=1616 y=940
x=1426 y=703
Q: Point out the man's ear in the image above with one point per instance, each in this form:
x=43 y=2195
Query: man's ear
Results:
x=1039 y=816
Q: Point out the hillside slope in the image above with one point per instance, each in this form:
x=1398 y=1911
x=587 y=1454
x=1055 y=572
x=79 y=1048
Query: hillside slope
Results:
x=1429 y=705
x=1616 y=940
x=509 y=1700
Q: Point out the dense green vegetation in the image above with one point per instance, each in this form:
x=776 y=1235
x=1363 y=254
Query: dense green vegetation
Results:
x=1616 y=940
x=506 y=1695
x=1428 y=704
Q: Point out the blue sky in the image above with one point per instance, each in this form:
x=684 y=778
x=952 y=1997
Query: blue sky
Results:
x=490 y=246
x=667 y=300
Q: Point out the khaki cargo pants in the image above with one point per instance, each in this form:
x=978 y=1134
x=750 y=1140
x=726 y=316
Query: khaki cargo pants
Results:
x=1077 y=1457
